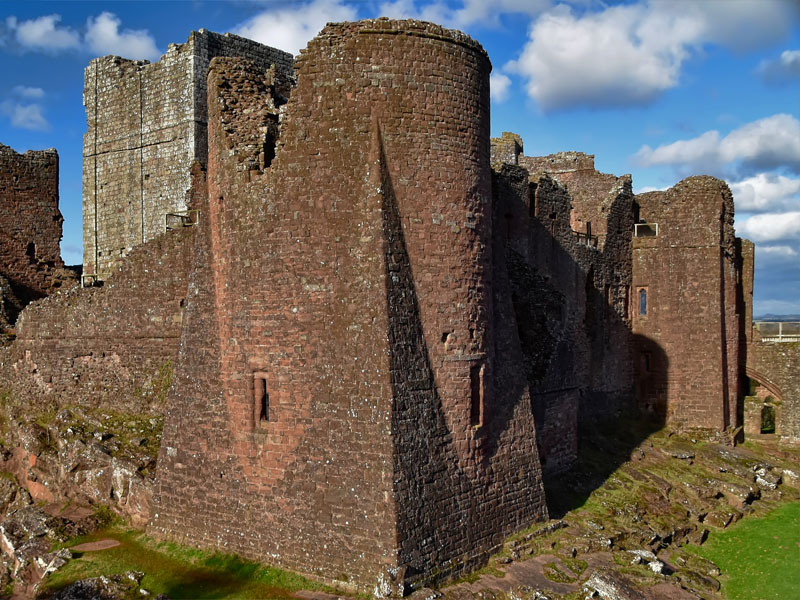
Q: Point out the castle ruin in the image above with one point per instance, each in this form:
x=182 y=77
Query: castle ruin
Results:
x=31 y=230
x=384 y=328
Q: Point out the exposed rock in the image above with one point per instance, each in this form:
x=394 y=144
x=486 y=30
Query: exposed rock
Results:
x=115 y=587
x=610 y=586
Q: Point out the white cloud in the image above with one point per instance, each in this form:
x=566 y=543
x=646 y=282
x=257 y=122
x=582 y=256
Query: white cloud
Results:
x=771 y=227
x=291 y=28
x=766 y=192
x=24 y=116
x=43 y=33
x=103 y=37
x=499 y=86
x=467 y=13
x=777 y=251
x=629 y=54
x=765 y=144
x=784 y=69
x=24 y=91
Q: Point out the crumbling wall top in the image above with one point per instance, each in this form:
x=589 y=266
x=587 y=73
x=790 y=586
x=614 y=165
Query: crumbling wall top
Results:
x=560 y=162
x=385 y=26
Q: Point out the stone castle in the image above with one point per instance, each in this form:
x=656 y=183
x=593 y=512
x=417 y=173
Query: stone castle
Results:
x=384 y=328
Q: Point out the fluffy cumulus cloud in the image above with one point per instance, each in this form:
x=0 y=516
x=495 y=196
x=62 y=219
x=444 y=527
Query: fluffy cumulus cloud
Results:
x=766 y=192
x=629 y=54
x=499 y=86
x=24 y=116
x=43 y=33
x=23 y=110
x=103 y=36
x=464 y=14
x=765 y=144
x=290 y=28
x=784 y=69
x=24 y=91
x=780 y=252
x=770 y=227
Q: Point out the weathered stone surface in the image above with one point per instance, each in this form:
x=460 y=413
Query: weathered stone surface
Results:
x=611 y=586
x=30 y=231
x=147 y=126
x=688 y=305
x=393 y=405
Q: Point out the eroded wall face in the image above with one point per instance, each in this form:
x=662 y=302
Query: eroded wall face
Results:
x=30 y=228
x=352 y=281
x=107 y=347
x=137 y=153
x=147 y=124
x=570 y=297
x=687 y=317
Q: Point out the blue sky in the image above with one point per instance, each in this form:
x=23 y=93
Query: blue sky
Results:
x=658 y=89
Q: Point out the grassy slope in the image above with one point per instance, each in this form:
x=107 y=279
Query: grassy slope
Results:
x=759 y=557
x=179 y=571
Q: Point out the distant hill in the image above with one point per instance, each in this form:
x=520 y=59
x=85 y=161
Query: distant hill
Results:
x=771 y=317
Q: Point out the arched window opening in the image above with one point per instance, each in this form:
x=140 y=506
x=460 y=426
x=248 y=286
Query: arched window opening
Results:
x=643 y=302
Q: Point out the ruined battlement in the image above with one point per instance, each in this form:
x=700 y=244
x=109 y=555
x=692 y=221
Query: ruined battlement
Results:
x=147 y=124
x=560 y=162
x=30 y=230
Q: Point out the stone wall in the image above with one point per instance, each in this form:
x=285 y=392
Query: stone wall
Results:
x=688 y=305
x=346 y=398
x=30 y=229
x=104 y=346
x=775 y=365
x=147 y=126
x=570 y=294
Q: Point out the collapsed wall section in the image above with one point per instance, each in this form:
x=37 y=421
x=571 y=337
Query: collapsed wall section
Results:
x=104 y=346
x=348 y=412
x=147 y=124
x=30 y=229
x=688 y=305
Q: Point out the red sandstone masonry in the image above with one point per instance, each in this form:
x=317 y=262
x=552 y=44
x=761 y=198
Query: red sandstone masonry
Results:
x=689 y=272
x=570 y=293
x=365 y=299
x=30 y=225
x=104 y=346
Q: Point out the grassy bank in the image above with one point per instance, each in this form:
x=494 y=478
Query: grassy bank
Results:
x=179 y=571
x=759 y=557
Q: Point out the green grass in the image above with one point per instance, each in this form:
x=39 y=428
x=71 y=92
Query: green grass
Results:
x=179 y=571
x=759 y=557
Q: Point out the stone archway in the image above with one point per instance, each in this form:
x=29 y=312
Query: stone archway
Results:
x=762 y=408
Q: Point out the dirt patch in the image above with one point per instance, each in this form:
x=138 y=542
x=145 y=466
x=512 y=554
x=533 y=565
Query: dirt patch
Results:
x=94 y=546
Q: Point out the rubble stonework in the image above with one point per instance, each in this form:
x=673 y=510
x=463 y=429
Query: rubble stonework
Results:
x=30 y=258
x=147 y=125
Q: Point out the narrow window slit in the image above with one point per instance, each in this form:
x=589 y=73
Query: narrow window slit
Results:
x=260 y=399
x=476 y=395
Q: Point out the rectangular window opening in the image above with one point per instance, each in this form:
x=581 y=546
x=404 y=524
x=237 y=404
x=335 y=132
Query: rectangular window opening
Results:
x=476 y=395
x=260 y=399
